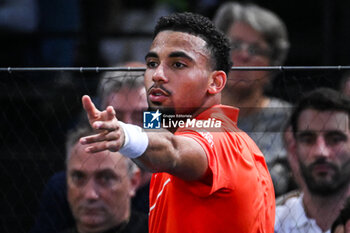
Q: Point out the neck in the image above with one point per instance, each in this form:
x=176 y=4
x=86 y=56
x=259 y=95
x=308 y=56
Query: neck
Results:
x=207 y=103
x=324 y=209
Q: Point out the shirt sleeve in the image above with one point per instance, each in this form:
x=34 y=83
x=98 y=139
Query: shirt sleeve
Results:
x=220 y=165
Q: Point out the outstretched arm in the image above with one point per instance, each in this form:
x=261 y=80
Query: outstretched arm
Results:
x=165 y=152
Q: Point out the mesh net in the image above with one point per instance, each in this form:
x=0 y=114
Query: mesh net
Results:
x=40 y=107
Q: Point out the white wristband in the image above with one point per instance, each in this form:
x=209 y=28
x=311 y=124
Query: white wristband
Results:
x=135 y=142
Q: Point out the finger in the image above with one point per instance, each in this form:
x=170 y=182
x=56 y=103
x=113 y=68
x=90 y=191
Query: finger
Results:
x=110 y=113
x=101 y=137
x=106 y=125
x=93 y=138
x=91 y=110
x=112 y=146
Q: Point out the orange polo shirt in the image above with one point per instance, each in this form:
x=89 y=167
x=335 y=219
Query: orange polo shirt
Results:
x=240 y=198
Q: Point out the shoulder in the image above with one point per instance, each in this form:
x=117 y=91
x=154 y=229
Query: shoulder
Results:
x=289 y=210
x=276 y=102
x=138 y=223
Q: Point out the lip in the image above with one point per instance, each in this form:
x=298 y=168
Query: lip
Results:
x=157 y=95
x=322 y=168
x=91 y=211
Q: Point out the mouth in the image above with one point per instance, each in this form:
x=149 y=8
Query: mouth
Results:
x=158 y=95
x=322 y=169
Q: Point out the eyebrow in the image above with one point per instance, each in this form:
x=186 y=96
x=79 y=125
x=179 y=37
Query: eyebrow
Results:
x=172 y=55
x=151 y=54
x=180 y=54
x=313 y=132
x=305 y=133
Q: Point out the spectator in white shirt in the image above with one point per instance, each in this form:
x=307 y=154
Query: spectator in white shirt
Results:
x=320 y=156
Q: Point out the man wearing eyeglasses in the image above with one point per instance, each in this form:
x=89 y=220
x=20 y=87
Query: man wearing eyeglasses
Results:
x=258 y=38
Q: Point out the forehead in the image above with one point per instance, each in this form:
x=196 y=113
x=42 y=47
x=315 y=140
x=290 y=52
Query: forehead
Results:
x=243 y=31
x=83 y=161
x=170 y=41
x=314 y=120
x=128 y=99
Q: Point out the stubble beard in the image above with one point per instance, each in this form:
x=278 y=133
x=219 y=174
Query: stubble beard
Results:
x=320 y=187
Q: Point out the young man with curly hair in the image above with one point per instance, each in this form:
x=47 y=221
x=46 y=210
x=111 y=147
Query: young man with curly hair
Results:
x=205 y=180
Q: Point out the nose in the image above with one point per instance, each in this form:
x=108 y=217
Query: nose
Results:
x=159 y=75
x=90 y=190
x=320 y=148
x=240 y=56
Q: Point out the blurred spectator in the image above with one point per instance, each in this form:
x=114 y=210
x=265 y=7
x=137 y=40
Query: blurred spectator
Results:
x=59 y=25
x=342 y=223
x=119 y=31
x=344 y=85
x=125 y=92
x=99 y=190
x=131 y=19
x=258 y=38
x=18 y=21
x=19 y=15
x=320 y=159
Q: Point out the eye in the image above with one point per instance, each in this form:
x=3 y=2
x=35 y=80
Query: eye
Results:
x=306 y=138
x=254 y=50
x=151 y=64
x=78 y=178
x=179 y=65
x=106 y=179
x=236 y=45
x=335 y=138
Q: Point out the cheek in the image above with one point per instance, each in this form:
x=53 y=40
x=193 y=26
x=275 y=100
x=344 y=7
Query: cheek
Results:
x=117 y=200
x=148 y=79
x=73 y=195
x=192 y=91
x=303 y=154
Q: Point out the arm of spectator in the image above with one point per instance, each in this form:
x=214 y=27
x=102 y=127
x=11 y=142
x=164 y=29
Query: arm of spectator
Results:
x=165 y=152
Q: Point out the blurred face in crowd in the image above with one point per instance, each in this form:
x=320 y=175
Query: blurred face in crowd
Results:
x=323 y=150
x=100 y=187
x=129 y=104
x=177 y=71
x=248 y=48
x=346 y=87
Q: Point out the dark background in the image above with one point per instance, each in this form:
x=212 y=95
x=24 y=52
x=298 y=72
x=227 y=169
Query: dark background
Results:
x=38 y=108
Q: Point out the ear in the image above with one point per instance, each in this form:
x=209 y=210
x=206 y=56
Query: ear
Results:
x=216 y=82
x=135 y=182
x=294 y=161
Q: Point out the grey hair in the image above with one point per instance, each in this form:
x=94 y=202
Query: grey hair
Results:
x=114 y=81
x=260 y=19
x=73 y=137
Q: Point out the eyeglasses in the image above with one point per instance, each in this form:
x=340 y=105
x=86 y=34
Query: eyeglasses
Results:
x=252 y=48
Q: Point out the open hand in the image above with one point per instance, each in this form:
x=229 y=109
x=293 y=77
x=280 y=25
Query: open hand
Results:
x=110 y=136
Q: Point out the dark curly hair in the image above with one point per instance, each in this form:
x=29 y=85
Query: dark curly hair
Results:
x=320 y=99
x=198 y=25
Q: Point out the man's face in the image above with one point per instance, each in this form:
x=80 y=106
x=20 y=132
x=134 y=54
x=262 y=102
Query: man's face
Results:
x=323 y=150
x=99 y=189
x=177 y=72
x=248 y=48
x=129 y=104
